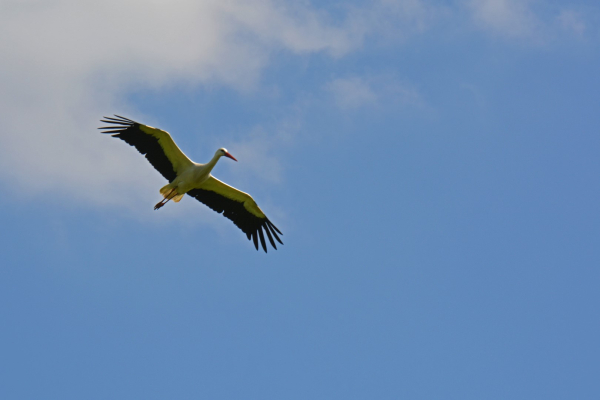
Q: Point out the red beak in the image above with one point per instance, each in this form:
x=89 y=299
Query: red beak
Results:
x=230 y=156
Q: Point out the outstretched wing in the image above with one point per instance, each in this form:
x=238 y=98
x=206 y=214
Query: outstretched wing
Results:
x=157 y=145
x=239 y=207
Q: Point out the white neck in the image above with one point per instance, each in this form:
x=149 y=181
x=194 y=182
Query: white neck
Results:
x=211 y=164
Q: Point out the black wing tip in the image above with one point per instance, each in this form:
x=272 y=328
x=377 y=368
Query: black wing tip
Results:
x=255 y=239
x=265 y=227
x=125 y=119
x=118 y=120
x=262 y=238
x=258 y=238
x=117 y=125
x=113 y=131
x=247 y=222
x=273 y=226
x=270 y=225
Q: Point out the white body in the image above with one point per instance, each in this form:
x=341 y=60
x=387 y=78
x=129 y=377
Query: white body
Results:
x=191 y=177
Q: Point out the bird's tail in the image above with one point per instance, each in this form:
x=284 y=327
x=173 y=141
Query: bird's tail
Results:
x=171 y=192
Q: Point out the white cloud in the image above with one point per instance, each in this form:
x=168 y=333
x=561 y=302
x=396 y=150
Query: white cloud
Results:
x=353 y=92
x=258 y=151
x=66 y=63
x=533 y=21
x=511 y=18
x=572 y=21
x=395 y=20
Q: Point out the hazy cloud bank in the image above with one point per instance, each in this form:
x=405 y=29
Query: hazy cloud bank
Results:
x=66 y=63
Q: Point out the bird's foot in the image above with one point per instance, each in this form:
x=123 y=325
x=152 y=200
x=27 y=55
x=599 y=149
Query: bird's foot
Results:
x=159 y=205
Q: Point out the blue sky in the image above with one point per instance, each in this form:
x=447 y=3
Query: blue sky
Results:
x=432 y=164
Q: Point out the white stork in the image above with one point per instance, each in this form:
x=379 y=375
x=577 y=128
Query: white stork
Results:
x=186 y=176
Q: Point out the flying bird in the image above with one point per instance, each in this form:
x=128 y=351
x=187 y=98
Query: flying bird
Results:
x=188 y=177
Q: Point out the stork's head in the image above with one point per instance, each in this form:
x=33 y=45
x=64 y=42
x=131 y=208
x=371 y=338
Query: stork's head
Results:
x=224 y=152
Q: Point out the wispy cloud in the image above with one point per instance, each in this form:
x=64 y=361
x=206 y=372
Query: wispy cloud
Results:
x=572 y=21
x=351 y=92
x=395 y=20
x=530 y=20
x=258 y=153
x=66 y=63
x=511 y=18
x=355 y=91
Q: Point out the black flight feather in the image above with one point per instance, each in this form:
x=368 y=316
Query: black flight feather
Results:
x=262 y=239
x=129 y=131
x=146 y=144
x=270 y=238
x=234 y=210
